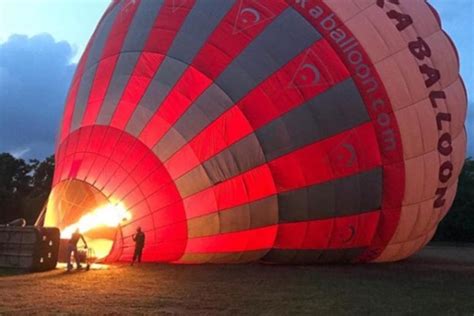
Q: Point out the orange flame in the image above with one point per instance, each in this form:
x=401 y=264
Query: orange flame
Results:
x=109 y=215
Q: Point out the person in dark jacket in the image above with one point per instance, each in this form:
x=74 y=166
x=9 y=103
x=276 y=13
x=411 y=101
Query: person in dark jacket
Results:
x=72 y=248
x=139 y=239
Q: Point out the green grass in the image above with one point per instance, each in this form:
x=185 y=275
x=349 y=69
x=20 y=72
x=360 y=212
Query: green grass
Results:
x=438 y=281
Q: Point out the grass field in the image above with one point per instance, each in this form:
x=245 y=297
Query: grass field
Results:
x=437 y=281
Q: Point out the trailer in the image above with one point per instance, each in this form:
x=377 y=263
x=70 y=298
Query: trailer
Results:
x=29 y=248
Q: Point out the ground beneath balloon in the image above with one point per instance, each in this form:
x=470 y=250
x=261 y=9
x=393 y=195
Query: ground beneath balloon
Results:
x=439 y=280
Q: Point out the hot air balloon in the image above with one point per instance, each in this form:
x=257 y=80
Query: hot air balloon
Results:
x=282 y=131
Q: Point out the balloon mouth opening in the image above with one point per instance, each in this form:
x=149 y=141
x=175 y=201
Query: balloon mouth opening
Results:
x=75 y=205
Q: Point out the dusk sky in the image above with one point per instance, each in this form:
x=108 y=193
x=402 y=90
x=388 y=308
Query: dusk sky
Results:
x=41 y=41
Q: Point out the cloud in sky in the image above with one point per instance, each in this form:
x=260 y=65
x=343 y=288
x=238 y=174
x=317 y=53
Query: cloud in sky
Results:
x=70 y=20
x=35 y=73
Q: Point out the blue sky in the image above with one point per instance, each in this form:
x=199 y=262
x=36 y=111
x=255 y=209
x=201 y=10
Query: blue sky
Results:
x=41 y=40
x=65 y=20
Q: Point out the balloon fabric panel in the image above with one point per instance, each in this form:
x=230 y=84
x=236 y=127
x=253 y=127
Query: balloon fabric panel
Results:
x=282 y=131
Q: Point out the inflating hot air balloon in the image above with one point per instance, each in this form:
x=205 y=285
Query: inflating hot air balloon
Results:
x=298 y=131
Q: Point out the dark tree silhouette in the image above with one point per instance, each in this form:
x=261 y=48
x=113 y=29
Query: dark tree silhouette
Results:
x=42 y=177
x=458 y=225
x=24 y=187
x=15 y=183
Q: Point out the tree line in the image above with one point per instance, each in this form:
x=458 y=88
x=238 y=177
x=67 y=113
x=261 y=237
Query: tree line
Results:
x=458 y=225
x=25 y=186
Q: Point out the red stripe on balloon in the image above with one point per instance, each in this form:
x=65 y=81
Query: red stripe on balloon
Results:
x=252 y=239
x=345 y=232
x=342 y=155
x=107 y=63
x=316 y=163
x=278 y=94
x=73 y=90
x=203 y=70
x=339 y=233
x=231 y=193
x=110 y=139
x=166 y=26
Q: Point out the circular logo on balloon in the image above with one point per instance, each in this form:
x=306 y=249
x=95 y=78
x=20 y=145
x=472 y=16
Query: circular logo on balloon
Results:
x=308 y=75
x=250 y=14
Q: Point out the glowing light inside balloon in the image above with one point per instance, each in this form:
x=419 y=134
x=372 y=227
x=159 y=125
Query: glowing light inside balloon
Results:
x=109 y=215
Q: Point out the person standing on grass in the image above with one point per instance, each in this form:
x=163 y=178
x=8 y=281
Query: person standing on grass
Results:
x=72 y=248
x=139 y=239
